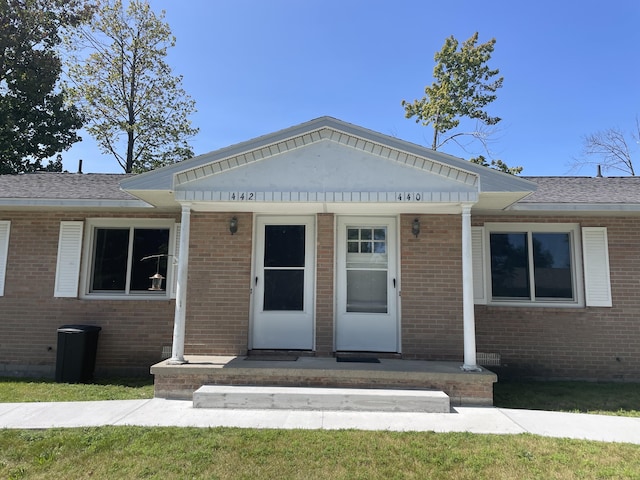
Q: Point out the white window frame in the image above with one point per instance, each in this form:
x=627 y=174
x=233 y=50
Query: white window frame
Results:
x=92 y=224
x=577 y=276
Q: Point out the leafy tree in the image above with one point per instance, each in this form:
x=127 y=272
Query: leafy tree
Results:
x=496 y=165
x=464 y=86
x=36 y=123
x=609 y=149
x=136 y=109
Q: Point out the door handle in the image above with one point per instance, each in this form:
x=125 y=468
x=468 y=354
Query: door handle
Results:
x=394 y=283
x=256 y=281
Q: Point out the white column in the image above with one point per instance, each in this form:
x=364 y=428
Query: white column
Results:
x=177 y=351
x=469 y=322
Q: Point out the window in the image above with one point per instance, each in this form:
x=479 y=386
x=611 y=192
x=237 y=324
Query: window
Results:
x=284 y=257
x=367 y=266
x=123 y=255
x=534 y=263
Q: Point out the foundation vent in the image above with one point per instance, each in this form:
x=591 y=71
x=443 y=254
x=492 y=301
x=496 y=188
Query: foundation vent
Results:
x=488 y=359
x=166 y=352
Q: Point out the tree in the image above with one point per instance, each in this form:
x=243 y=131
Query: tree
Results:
x=464 y=86
x=36 y=123
x=609 y=150
x=135 y=108
x=496 y=165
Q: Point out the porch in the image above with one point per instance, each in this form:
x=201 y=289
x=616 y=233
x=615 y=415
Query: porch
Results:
x=463 y=387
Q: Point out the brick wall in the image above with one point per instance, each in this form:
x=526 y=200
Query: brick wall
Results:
x=431 y=269
x=219 y=287
x=580 y=343
x=133 y=332
x=324 y=284
x=462 y=389
x=594 y=343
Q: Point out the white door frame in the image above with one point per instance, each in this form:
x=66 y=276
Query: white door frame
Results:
x=283 y=330
x=368 y=331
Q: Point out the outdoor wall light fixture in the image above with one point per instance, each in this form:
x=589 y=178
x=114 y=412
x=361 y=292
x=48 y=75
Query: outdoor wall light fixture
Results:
x=233 y=225
x=415 y=227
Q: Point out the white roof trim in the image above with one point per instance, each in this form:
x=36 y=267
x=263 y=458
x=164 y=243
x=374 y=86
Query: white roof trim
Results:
x=316 y=197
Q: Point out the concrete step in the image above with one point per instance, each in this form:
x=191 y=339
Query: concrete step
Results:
x=303 y=398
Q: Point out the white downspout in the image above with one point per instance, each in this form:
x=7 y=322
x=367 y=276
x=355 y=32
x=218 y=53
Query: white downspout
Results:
x=469 y=323
x=177 y=351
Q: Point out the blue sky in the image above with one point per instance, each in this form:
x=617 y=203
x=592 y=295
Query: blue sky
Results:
x=255 y=67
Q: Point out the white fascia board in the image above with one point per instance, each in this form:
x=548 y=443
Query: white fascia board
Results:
x=231 y=198
x=309 y=208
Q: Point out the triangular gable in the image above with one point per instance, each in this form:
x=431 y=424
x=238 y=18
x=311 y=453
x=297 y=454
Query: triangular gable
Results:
x=356 y=165
x=326 y=165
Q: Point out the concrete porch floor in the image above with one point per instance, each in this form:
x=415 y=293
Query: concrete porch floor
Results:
x=463 y=388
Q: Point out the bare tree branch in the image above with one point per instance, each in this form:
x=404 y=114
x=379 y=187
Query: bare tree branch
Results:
x=608 y=149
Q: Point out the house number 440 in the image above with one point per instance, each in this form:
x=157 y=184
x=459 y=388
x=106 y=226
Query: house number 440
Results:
x=409 y=197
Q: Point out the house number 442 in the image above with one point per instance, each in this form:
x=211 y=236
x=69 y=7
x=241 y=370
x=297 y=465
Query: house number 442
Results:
x=242 y=196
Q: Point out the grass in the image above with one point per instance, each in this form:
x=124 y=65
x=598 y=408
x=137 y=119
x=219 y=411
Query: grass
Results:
x=598 y=398
x=41 y=390
x=224 y=453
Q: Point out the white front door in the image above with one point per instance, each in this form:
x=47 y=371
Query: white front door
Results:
x=367 y=285
x=283 y=301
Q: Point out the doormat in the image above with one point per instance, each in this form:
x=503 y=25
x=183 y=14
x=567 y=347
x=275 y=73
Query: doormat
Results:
x=271 y=358
x=358 y=359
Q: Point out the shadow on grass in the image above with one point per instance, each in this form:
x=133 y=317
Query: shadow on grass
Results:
x=130 y=382
x=585 y=397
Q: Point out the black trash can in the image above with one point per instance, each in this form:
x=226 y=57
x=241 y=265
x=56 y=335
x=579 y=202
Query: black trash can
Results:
x=76 y=356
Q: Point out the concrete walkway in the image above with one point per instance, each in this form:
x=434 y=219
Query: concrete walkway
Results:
x=161 y=412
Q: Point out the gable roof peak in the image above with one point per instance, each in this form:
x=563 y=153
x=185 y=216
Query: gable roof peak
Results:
x=490 y=180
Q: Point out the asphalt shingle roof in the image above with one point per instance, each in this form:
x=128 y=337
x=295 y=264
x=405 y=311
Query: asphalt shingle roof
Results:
x=106 y=186
x=592 y=190
x=75 y=186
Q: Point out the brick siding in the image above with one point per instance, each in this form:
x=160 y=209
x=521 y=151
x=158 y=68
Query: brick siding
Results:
x=219 y=287
x=431 y=288
x=133 y=332
x=462 y=389
x=324 y=283
x=578 y=343
x=593 y=343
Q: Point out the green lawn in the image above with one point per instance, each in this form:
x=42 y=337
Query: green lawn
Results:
x=39 y=390
x=168 y=453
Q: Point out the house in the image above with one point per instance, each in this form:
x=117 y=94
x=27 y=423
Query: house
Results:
x=320 y=239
